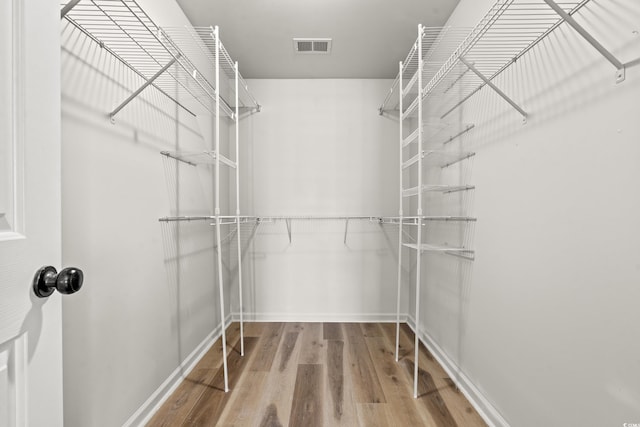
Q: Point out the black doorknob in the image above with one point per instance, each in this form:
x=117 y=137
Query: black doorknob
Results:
x=47 y=280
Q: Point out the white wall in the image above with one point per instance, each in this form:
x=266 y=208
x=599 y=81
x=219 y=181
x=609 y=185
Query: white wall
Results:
x=319 y=147
x=544 y=322
x=150 y=296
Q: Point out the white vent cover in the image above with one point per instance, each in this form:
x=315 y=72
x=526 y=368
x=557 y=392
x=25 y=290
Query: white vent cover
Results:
x=320 y=46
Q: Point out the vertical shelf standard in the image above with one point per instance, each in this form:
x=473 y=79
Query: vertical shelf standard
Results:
x=431 y=49
x=206 y=41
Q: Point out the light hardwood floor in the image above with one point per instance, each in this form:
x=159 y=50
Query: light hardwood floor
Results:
x=315 y=374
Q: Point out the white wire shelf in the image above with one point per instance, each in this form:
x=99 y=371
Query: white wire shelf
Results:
x=199 y=157
x=410 y=87
x=412 y=109
x=428 y=247
x=435 y=188
x=438 y=43
x=411 y=138
x=431 y=132
x=224 y=219
x=442 y=159
x=413 y=220
x=509 y=30
x=122 y=28
x=201 y=42
x=506 y=33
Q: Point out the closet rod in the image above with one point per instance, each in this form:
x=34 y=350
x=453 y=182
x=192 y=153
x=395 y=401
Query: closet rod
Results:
x=226 y=218
x=409 y=220
x=246 y=219
x=317 y=217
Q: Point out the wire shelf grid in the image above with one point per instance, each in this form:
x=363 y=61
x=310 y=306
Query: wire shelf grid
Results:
x=126 y=31
x=201 y=42
x=438 y=43
x=508 y=31
x=195 y=158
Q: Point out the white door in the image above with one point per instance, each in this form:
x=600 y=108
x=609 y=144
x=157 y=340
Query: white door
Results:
x=30 y=327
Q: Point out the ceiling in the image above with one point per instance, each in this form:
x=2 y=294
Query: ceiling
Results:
x=369 y=37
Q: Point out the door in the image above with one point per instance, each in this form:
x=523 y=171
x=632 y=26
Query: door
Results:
x=30 y=327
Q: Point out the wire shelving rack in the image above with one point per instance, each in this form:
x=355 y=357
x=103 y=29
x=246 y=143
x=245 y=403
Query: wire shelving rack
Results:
x=429 y=87
x=186 y=65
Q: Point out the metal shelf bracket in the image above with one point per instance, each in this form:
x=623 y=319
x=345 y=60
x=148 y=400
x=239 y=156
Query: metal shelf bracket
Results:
x=494 y=87
x=620 y=68
x=462 y=132
x=141 y=88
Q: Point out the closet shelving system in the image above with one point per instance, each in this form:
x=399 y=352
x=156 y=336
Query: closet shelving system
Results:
x=430 y=86
x=190 y=63
x=288 y=219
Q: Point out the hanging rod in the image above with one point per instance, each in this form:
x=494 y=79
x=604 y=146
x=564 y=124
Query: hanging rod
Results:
x=224 y=219
x=413 y=220
x=317 y=217
x=345 y=218
x=271 y=218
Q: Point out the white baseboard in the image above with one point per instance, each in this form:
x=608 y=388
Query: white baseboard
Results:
x=162 y=393
x=320 y=317
x=487 y=411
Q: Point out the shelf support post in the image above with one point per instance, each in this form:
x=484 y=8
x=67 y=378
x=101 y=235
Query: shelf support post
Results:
x=237 y=129
x=217 y=209
x=419 y=213
x=143 y=87
x=494 y=87
x=400 y=213
x=620 y=74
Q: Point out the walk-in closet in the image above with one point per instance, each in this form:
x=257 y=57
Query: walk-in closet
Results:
x=319 y=213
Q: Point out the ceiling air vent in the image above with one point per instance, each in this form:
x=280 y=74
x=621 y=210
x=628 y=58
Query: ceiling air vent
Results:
x=312 y=45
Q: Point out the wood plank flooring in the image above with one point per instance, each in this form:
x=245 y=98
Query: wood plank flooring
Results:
x=314 y=374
